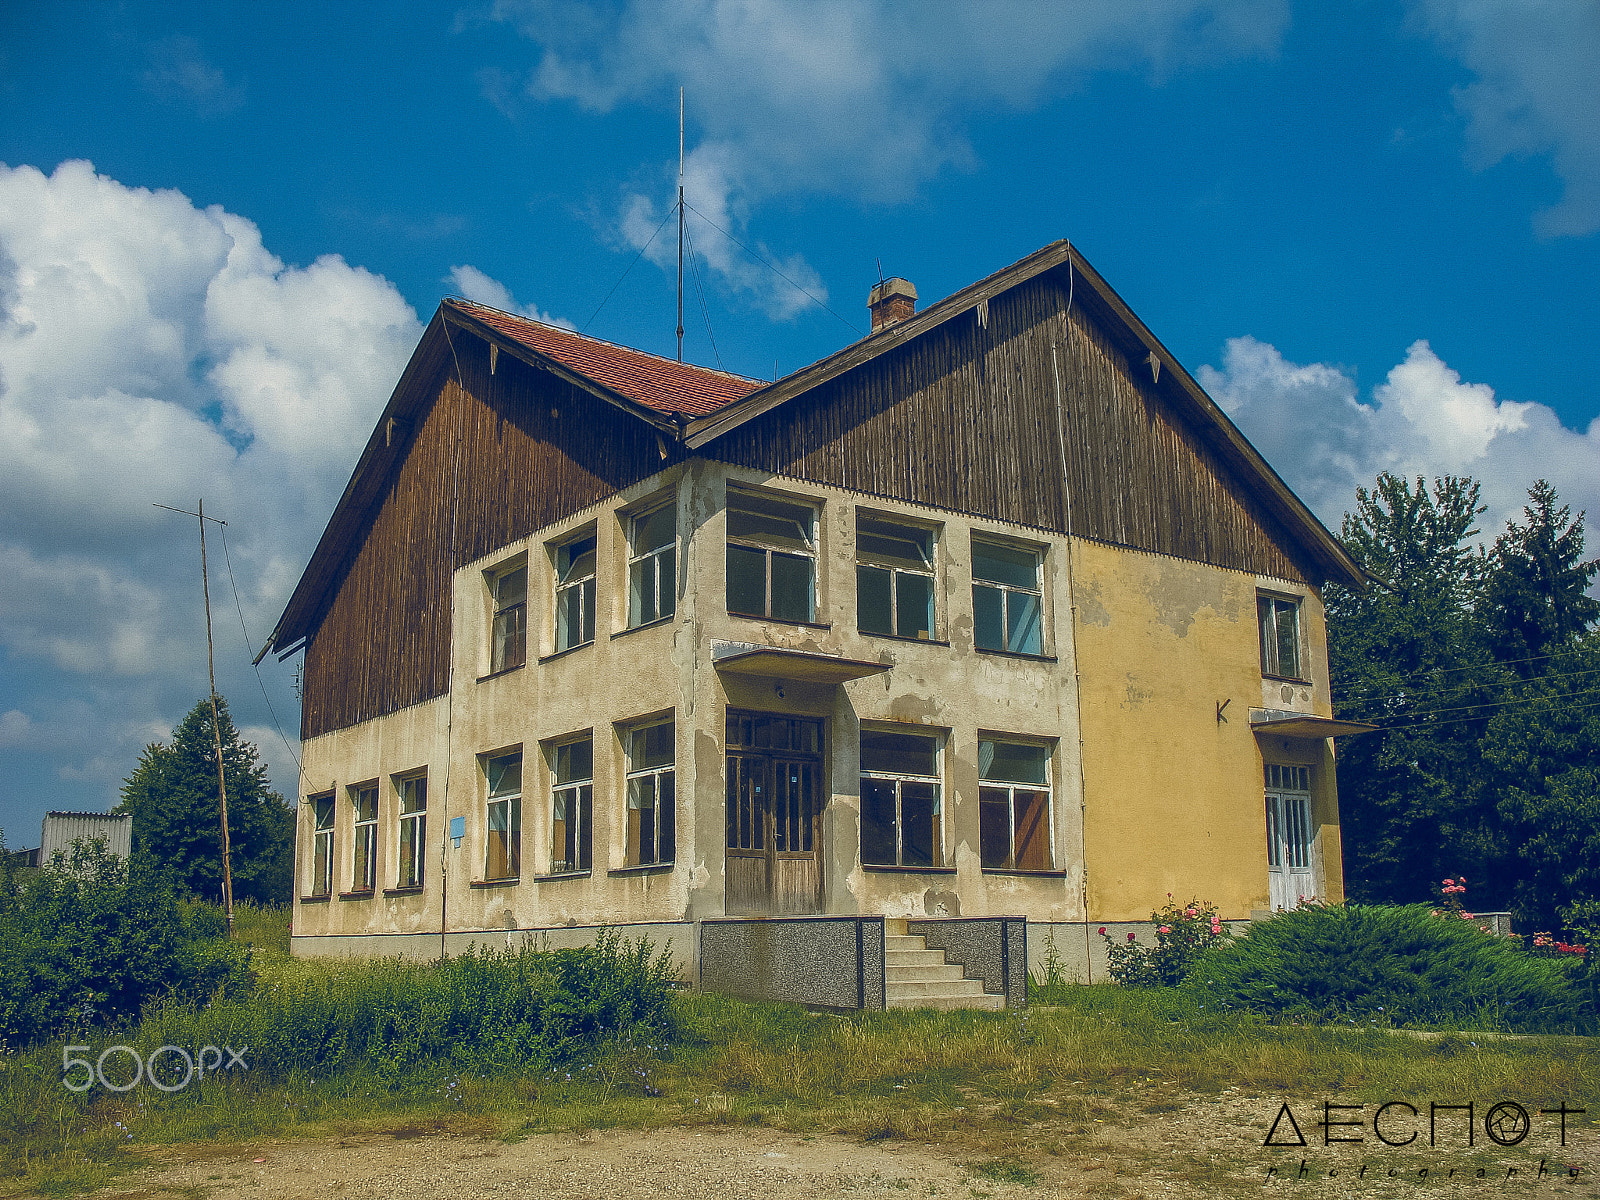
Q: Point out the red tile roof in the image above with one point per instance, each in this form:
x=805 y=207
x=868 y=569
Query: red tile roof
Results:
x=658 y=383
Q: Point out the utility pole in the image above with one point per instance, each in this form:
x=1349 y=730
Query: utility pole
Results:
x=216 y=725
x=680 y=224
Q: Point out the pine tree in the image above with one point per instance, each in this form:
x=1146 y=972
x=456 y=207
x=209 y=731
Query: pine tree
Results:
x=172 y=794
x=1404 y=652
x=1536 y=599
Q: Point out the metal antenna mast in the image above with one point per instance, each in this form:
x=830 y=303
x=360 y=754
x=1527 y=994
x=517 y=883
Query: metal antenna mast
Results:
x=680 y=224
x=216 y=727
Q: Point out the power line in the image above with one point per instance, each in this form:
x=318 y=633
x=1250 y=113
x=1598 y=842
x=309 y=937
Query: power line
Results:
x=699 y=290
x=1518 y=701
x=1464 y=720
x=624 y=275
x=1425 y=694
x=261 y=683
x=814 y=299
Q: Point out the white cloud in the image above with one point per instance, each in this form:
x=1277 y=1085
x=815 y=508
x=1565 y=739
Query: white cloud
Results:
x=476 y=286
x=155 y=352
x=1314 y=428
x=1537 y=92
x=862 y=98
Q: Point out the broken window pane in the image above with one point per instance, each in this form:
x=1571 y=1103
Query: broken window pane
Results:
x=913 y=605
x=874 y=603
x=652 y=571
x=1032 y=830
x=1012 y=762
x=770 y=522
x=994 y=826
x=1022 y=623
x=988 y=617
x=919 y=824
x=899 y=753
x=1005 y=564
x=509 y=644
x=791 y=588
x=877 y=822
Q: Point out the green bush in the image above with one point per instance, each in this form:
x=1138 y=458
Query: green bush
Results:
x=1183 y=933
x=91 y=940
x=1400 y=965
x=487 y=1011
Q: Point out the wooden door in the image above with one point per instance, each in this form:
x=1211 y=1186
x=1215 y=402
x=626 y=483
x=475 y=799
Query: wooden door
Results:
x=774 y=815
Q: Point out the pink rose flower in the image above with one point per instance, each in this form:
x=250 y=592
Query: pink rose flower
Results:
x=1165 y=929
x=1102 y=930
x=1130 y=937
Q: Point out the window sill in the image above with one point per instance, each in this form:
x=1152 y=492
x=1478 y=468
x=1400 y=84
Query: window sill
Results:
x=496 y=883
x=666 y=620
x=1041 y=658
x=404 y=891
x=900 y=637
x=499 y=673
x=315 y=899
x=562 y=875
x=1285 y=679
x=1017 y=871
x=563 y=653
x=781 y=621
x=357 y=894
x=908 y=870
x=644 y=869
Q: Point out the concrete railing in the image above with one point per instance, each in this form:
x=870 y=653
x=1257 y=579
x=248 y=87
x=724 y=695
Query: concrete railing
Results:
x=827 y=962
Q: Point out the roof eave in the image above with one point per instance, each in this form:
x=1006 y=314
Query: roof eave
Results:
x=462 y=319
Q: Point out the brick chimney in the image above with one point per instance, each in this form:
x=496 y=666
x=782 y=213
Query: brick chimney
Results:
x=891 y=301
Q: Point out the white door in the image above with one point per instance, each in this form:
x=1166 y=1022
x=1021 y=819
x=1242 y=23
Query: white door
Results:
x=1289 y=874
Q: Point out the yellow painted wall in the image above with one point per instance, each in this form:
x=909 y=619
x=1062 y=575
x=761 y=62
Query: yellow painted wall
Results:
x=1173 y=795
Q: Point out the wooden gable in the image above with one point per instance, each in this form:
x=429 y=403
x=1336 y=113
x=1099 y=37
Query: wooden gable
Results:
x=964 y=416
x=533 y=450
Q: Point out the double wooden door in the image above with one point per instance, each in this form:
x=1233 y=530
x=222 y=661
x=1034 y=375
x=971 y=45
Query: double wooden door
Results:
x=774 y=809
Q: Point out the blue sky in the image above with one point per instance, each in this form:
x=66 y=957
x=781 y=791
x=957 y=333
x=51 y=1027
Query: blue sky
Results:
x=1371 y=229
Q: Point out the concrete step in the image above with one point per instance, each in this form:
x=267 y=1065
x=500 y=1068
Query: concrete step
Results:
x=979 y=1001
x=914 y=958
x=924 y=974
x=936 y=987
x=902 y=941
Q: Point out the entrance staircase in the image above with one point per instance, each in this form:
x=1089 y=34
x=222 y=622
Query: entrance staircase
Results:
x=916 y=977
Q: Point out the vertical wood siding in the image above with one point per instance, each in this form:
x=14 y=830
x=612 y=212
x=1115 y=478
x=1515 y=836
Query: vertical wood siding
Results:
x=534 y=450
x=964 y=418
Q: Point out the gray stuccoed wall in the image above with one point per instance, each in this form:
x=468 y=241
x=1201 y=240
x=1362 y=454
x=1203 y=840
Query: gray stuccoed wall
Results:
x=993 y=949
x=830 y=962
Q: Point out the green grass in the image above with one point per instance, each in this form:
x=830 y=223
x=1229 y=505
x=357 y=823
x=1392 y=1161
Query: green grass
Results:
x=989 y=1082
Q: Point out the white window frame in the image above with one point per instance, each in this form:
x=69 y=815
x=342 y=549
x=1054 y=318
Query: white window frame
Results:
x=574 y=799
x=580 y=587
x=1011 y=789
x=1270 y=610
x=771 y=547
x=412 y=831
x=510 y=803
x=899 y=779
x=364 y=863
x=323 y=804
x=1290 y=833
x=1010 y=594
x=871 y=561
x=658 y=565
x=633 y=849
x=506 y=653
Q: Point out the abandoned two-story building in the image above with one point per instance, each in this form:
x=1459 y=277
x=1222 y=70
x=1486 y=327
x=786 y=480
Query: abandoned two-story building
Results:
x=993 y=613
